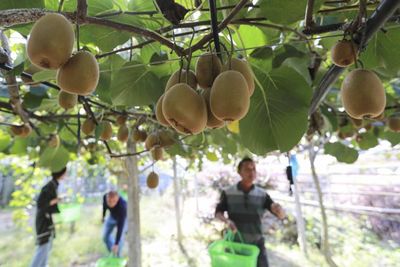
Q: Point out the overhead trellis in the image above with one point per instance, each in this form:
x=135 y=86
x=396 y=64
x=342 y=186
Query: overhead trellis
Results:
x=139 y=44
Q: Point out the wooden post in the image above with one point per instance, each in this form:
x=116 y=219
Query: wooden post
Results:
x=134 y=240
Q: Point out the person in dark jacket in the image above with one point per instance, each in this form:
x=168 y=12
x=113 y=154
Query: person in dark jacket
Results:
x=117 y=218
x=45 y=231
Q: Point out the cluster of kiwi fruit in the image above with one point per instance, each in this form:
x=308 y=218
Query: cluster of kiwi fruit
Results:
x=50 y=46
x=224 y=95
x=156 y=141
x=363 y=94
x=89 y=126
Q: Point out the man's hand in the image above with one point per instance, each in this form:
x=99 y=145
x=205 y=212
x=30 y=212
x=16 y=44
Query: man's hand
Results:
x=231 y=226
x=54 y=201
x=278 y=211
x=115 y=250
x=102 y=220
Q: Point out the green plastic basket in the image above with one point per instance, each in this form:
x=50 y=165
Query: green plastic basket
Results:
x=226 y=253
x=111 y=261
x=69 y=212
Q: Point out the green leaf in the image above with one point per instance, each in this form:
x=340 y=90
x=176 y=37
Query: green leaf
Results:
x=94 y=6
x=103 y=37
x=367 y=140
x=44 y=75
x=392 y=137
x=279 y=109
x=211 y=156
x=283 y=11
x=14 y=4
x=19 y=147
x=108 y=69
x=300 y=65
x=341 y=152
x=262 y=53
x=32 y=101
x=284 y=52
x=54 y=158
x=5 y=140
x=249 y=37
x=17 y=70
x=135 y=85
x=383 y=51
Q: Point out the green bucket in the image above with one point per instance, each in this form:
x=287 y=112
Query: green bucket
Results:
x=69 y=212
x=111 y=262
x=226 y=253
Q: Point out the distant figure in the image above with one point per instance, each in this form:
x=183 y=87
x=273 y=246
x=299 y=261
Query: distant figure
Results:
x=245 y=204
x=45 y=231
x=117 y=218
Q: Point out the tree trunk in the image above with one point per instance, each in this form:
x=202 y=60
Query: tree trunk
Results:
x=177 y=203
x=134 y=241
x=325 y=235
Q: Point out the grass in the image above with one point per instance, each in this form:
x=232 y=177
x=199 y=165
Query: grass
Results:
x=353 y=245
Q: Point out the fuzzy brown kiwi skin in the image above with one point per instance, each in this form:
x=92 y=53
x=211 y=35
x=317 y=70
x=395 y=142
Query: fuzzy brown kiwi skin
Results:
x=344 y=53
x=208 y=67
x=363 y=94
x=190 y=116
x=152 y=180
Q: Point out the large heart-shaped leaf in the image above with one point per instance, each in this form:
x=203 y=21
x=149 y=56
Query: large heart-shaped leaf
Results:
x=54 y=158
x=383 y=51
x=277 y=118
x=135 y=85
x=13 y=4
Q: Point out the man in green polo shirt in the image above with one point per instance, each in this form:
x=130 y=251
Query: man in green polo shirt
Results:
x=245 y=204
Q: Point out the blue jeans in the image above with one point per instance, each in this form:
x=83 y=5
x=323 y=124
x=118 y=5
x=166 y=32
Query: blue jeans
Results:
x=42 y=254
x=108 y=239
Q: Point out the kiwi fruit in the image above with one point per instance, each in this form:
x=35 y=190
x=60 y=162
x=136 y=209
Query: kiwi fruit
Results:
x=189 y=79
x=21 y=130
x=80 y=74
x=165 y=139
x=243 y=67
x=152 y=180
x=212 y=121
x=344 y=53
x=208 y=67
x=143 y=136
x=123 y=133
x=51 y=41
x=121 y=120
x=67 y=100
x=230 y=98
x=54 y=141
x=184 y=109
x=157 y=153
x=138 y=135
x=106 y=132
x=151 y=141
x=394 y=123
x=88 y=126
x=159 y=113
x=32 y=69
x=363 y=94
